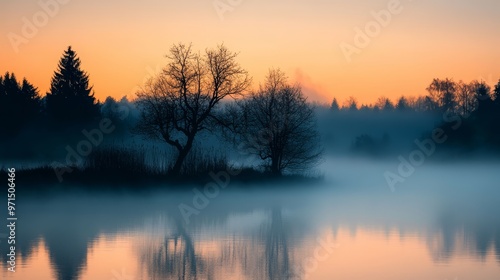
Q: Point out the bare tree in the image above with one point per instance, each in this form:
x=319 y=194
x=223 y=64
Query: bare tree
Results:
x=179 y=103
x=466 y=97
x=443 y=92
x=425 y=104
x=351 y=104
x=284 y=124
x=384 y=104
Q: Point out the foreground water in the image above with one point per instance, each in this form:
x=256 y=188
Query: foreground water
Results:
x=441 y=223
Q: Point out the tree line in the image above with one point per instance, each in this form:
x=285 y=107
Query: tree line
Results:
x=178 y=104
x=469 y=112
x=69 y=101
x=210 y=92
x=444 y=95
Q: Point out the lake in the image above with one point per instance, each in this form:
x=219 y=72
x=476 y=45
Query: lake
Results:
x=441 y=223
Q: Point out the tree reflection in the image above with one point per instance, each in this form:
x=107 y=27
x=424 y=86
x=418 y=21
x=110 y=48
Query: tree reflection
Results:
x=175 y=257
x=266 y=246
x=265 y=255
x=277 y=254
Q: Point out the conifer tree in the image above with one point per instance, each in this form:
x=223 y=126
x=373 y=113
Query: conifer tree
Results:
x=71 y=99
x=335 y=105
x=20 y=103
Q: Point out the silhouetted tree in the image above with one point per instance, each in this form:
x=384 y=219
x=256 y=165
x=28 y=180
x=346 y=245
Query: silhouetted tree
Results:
x=482 y=91
x=466 y=98
x=385 y=104
x=70 y=98
x=180 y=102
x=121 y=114
x=495 y=113
x=402 y=104
x=496 y=93
x=443 y=92
x=351 y=104
x=480 y=129
x=279 y=114
x=20 y=104
x=412 y=102
x=365 y=108
x=484 y=102
x=425 y=104
x=335 y=105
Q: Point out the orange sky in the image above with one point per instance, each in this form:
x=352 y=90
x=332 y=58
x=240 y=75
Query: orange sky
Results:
x=121 y=43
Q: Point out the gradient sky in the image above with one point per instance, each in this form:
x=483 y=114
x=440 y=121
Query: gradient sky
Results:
x=121 y=43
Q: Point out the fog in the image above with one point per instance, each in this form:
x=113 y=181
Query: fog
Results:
x=380 y=173
x=361 y=133
x=399 y=128
x=436 y=200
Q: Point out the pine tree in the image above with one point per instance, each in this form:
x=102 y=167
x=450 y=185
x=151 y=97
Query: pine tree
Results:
x=30 y=100
x=497 y=93
x=402 y=104
x=335 y=105
x=10 y=84
x=20 y=103
x=70 y=98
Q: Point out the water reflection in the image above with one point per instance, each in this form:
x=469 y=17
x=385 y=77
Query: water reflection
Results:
x=246 y=235
x=277 y=257
x=176 y=255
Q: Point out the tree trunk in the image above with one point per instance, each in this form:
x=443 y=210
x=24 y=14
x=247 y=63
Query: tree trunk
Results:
x=275 y=168
x=176 y=169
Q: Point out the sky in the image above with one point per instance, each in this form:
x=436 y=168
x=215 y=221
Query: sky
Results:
x=336 y=48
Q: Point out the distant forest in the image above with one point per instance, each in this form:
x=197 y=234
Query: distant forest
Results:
x=200 y=115
x=467 y=113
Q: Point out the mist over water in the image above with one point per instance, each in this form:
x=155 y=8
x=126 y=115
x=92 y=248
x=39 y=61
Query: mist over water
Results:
x=440 y=224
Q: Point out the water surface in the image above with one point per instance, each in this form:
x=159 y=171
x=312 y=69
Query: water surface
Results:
x=442 y=223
